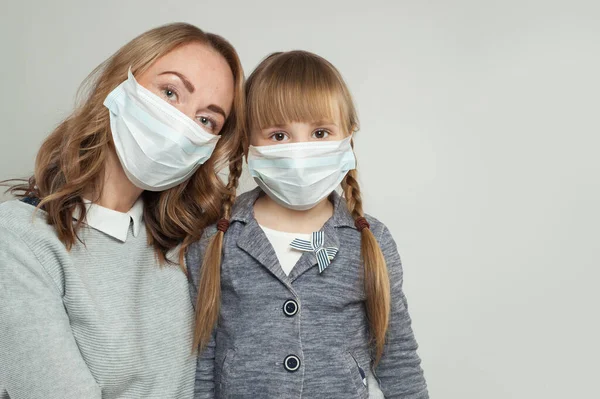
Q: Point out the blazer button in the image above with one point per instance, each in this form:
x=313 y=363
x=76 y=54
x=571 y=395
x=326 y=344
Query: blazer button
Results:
x=291 y=363
x=290 y=308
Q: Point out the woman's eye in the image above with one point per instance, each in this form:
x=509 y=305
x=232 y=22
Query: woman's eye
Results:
x=279 y=136
x=170 y=94
x=320 y=134
x=206 y=121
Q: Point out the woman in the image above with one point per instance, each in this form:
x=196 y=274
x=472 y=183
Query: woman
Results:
x=93 y=303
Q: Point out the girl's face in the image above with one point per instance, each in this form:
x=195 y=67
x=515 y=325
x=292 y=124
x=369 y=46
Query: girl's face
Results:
x=195 y=79
x=298 y=132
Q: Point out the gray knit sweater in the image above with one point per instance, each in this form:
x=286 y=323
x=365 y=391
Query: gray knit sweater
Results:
x=101 y=321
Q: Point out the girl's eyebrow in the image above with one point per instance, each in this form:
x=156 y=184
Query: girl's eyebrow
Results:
x=278 y=126
x=324 y=122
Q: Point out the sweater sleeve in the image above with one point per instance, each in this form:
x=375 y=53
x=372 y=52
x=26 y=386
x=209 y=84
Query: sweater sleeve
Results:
x=204 y=387
x=40 y=357
x=399 y=370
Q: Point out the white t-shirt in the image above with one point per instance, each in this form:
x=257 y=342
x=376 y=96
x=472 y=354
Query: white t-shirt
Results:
x=281 y=240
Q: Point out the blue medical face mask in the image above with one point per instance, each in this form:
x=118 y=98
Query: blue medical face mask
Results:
x=159 y=146
x=300 y=175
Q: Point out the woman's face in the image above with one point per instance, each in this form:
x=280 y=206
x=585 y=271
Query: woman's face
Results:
x=195 y=79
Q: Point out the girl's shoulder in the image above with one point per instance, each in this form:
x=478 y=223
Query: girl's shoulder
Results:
x=382 y=234
x=194 y=253
x=376 y=225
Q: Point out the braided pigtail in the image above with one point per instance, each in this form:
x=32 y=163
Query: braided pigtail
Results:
x=209 y=286
x=376 y=280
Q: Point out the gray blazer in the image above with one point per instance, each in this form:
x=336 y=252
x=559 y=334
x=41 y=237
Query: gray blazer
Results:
x=304 y=335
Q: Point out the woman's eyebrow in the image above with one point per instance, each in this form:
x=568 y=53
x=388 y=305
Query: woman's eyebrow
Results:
x=217 y=109
x=190 y=87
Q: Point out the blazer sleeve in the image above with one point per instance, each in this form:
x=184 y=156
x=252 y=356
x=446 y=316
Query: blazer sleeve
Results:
x=204 y=386
x=399 y=370
x=39 y=355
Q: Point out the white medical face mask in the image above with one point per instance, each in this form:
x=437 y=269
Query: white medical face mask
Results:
x=159 y=146
x=300 y=175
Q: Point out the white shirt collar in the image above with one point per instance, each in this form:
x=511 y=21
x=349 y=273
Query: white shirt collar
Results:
x=114 y=223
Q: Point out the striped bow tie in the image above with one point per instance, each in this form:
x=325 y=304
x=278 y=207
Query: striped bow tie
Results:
x=324 y=254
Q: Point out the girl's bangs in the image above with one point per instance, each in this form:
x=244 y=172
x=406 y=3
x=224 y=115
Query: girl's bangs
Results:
x=298 y=93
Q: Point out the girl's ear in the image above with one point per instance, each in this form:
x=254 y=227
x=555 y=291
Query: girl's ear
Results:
x=353 y=130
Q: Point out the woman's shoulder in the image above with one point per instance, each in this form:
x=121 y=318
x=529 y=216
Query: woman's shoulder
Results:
x=22 y=224
x=18 y=215
x=29 y=246
x=22 y=218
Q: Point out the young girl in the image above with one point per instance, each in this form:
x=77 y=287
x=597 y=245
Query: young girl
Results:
x=302 y=297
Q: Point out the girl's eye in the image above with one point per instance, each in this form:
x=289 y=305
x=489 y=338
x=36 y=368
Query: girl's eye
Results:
x=279 y=136
x=320 y=134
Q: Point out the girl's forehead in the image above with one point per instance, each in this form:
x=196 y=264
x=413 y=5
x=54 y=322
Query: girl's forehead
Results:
x=329 y=114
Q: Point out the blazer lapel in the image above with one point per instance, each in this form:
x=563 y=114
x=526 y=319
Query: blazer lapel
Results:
x=254 y=241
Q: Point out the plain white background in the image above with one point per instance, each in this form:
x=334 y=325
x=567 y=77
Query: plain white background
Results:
x=478 y=148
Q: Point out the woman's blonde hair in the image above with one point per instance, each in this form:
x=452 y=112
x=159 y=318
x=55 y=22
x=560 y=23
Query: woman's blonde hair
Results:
x=299 y=86
x=71 y=161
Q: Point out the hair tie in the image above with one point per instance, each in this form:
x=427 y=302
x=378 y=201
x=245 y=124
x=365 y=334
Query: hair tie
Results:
x=223 y=225
x=361 y=224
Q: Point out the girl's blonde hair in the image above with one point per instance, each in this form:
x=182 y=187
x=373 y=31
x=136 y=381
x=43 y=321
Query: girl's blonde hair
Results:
x=299 y=86
x=71 y=161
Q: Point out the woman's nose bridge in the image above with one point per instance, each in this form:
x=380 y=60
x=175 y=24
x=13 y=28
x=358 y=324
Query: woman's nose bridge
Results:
x=189 y=109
